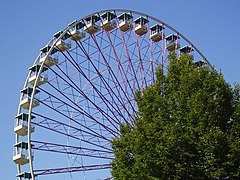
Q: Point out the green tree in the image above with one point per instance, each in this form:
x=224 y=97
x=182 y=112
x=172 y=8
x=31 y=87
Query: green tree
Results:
x=188 y=127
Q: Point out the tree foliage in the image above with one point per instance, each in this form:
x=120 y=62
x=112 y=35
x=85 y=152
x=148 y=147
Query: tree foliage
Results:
x=188 y=128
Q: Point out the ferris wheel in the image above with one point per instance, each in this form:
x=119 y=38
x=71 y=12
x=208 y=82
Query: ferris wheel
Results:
x=81 y=88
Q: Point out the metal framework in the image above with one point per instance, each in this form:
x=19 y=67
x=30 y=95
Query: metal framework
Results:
x=81 y=88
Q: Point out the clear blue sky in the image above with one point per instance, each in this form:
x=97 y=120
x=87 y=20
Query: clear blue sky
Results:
x=26 y=26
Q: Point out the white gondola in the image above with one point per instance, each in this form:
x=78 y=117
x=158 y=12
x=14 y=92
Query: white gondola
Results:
x=156 y=33
x=40 y=82
x=186 y=50
x=25 y=102
x=33 y=75
x=172 y=42
x=125 y=26
x=62 y=45
x=21 y=155
x=20 y=159
x=49 y=61
x=140 y=30
x=140 y=26
x=21 y=127
x=76 y=35
x=108 y=23
x=172 y=46
x=125 y=23
x=91 y=27
x=22 y=130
